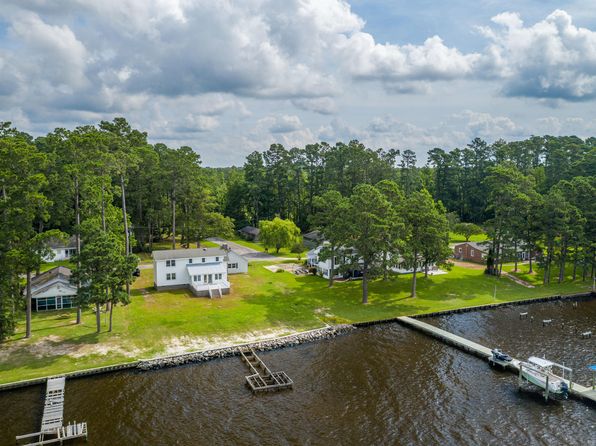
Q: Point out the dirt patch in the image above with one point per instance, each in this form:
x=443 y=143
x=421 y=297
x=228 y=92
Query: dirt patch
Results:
x=184 y=344
x=468 y=265
x=52 y=345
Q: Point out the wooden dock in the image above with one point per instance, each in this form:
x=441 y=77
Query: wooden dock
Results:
x=52 y=420
x=262 y=379
x=481 y=351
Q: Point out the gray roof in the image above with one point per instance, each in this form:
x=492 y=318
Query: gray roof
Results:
x=480 y=246
x=166 y=254
x=313 y=235
x=50 y=274
x=56 y=243
x=250 y=230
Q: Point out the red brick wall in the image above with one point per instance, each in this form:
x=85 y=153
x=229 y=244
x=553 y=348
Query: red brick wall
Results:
x=468 y=253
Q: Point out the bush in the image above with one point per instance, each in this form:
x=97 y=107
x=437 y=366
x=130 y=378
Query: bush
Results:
x=297 y=248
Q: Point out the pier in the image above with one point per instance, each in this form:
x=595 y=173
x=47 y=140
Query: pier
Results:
x=262 y=379
x=52 y=419
x=484 y=352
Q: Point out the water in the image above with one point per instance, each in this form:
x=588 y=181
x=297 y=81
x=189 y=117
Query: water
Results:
x=380 y=385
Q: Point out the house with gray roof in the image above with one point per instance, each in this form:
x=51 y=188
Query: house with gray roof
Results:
x=203 y=270
x=63 y=250
x=250 y=233
x=52 y=290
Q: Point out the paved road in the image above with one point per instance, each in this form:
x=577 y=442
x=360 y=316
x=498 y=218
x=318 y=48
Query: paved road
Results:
x=248 y=253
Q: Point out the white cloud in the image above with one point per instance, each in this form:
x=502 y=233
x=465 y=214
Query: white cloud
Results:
x=550 y=59
x=281 y=124
x=324 y=106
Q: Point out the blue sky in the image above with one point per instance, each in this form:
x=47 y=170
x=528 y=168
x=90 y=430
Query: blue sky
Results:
x=231 y=77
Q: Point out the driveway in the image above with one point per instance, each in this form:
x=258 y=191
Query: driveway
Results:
x=244 y=251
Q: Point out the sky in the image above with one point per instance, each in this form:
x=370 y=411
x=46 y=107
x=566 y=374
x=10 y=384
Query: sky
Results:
x=230 y=77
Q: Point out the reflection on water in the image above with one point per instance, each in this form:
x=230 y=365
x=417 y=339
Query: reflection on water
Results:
x=380 y=385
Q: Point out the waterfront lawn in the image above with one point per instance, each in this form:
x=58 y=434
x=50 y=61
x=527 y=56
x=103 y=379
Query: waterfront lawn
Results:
x=538 y=274
x=262 y=304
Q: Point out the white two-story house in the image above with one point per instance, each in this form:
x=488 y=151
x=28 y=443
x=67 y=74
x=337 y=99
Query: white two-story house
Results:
x=203 y=270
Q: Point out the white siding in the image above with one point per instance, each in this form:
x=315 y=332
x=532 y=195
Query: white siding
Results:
x=61 y=254
x=240 y=263
x=161 y=270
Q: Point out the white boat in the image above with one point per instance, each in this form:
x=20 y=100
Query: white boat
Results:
x=538 y=371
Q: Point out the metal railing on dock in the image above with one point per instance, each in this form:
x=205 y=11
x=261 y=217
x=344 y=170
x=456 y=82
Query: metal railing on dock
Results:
x=53 y=418
x=262 y=379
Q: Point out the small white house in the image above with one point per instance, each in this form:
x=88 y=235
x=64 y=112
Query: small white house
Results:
x=313 y=259
x=203 y=270
x=62 y=250
x=52 y=290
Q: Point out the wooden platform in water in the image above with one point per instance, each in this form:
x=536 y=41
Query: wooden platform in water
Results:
x=575 y=389
x=53 y=418
x=262 y=379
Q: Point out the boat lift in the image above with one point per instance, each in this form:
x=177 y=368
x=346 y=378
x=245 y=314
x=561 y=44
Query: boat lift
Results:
x=544 y=368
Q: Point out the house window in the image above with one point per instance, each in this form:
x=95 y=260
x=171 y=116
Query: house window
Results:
x=471 y=252
x=189 y=260
x=203 y=260
x=67 y=302
x=196 y=278
x=217 y=259
x=218 y=276
x=459 y=249
x=232 y=266
x=171 y=276
x=170 y=263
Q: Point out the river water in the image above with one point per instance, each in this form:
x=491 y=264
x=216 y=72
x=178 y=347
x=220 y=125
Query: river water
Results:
x=380 y=385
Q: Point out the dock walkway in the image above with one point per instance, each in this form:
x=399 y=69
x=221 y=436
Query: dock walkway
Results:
x=262 y=379
x=52 y=419
x=481 y=351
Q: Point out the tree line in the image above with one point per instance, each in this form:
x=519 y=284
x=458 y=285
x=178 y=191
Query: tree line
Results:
x=117 y=193
x=113 y=191
x=536 y=195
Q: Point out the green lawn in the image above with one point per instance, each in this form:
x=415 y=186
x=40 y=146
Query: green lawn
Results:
x=283 y=252
x=50 y=265
x=538 y=274
x=458 y=238
x=261 y=302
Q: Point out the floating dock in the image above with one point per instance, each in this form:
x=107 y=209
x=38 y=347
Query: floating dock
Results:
x=53 y=418
x=481 y=351
x=262 y=379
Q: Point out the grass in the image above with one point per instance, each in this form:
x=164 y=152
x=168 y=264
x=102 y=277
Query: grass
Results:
x=523 y=272
x=258 y=246
x=458 y=238
x=49 y=265
x=261 y=301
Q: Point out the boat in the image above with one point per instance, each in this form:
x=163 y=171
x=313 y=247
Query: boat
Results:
x=538 y=371
x=498 y=355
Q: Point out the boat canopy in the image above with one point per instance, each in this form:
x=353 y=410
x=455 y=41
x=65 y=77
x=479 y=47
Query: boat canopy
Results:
x=541 y=362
